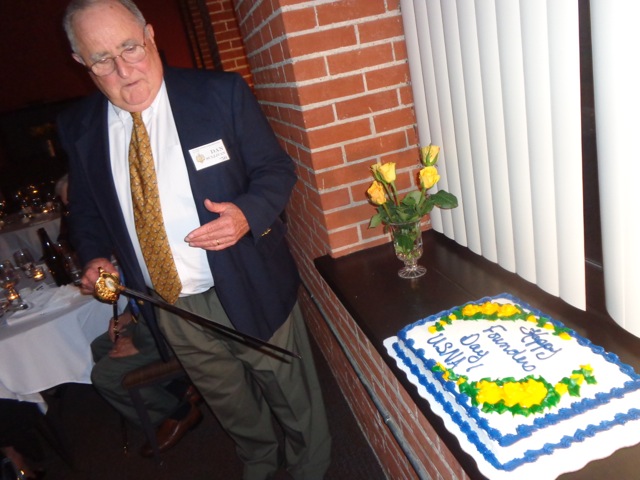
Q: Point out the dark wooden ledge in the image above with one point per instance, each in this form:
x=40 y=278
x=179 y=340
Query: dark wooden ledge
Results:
x=381 y=303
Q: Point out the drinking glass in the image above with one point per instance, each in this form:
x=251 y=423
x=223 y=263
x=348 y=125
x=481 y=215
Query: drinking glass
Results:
x=24 y=260
x=8 y=279
x=8 y=274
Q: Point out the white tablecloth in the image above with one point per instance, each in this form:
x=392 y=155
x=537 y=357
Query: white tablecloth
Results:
x=49 y=343
x=14 y=236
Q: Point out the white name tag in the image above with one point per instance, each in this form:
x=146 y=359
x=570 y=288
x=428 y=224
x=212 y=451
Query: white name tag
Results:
x=209 y=155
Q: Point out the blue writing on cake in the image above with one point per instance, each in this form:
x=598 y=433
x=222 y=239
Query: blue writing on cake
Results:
x=452 y=356
x=534 y=336
x=519 y=356
x=471 y=341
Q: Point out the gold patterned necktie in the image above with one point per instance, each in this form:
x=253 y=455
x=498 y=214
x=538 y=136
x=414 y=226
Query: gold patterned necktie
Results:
x=148 y=214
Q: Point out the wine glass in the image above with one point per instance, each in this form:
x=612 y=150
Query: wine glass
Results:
x=24 y=260
x=8 y=279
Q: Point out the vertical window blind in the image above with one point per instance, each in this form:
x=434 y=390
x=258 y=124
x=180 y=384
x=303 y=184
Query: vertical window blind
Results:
x=615 y=38
x=496 y=84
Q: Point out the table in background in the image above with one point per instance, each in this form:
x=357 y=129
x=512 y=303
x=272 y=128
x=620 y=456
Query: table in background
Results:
x=19 y=234
x=49 y=343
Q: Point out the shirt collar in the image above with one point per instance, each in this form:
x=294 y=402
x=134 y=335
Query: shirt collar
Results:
x=125 y=116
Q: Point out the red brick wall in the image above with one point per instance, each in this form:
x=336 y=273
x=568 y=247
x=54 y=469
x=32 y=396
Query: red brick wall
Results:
x=228 y=38
x=334 y=82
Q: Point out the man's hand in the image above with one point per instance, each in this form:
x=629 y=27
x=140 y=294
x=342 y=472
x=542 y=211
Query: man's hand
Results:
x=90 y=274
x=123 y=320
x=123 y=347
x=221 y=233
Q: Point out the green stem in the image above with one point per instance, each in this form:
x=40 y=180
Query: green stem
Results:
x=386 y=209
x=395 y=193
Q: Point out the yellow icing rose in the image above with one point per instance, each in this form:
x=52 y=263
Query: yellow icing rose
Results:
x=578 y=378
x=513 y=393
x=548 y=326
x=470 y=310
x=535 y=393
x=490 y=308
x=432 y=329
x=561 y=388
x=532 y=392
x=488 y=392
x=565 y=336
x=429 y=177
x=507 y=310
x=376 y=193
x=532 y=319
x=587 y=367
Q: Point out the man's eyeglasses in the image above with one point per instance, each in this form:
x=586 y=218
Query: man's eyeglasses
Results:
x=130 y=54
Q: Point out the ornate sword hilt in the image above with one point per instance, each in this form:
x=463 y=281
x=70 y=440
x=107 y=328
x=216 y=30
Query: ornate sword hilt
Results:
x=107 y=288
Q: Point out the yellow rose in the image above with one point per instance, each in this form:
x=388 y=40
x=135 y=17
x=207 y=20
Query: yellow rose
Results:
x=376 y=193
x=388 y=172
x=429 y=177
x=429 y=155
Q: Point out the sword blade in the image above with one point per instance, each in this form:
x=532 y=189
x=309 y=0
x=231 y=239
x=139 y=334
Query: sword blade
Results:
x=205 y=321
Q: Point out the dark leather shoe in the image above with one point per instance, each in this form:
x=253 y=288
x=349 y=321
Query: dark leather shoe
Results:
x=171 y=431
x=192 y=395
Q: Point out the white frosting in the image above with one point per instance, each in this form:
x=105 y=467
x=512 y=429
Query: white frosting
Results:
x=490 y=349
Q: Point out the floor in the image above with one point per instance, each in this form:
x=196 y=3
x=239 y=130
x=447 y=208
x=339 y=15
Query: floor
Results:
x=94 y=437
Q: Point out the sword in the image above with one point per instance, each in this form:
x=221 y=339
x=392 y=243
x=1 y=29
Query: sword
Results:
x=108 y=289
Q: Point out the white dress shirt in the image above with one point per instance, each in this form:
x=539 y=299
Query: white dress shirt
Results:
x=178 y=207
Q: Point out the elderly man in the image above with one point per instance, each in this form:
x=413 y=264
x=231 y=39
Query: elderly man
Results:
x=180 y=176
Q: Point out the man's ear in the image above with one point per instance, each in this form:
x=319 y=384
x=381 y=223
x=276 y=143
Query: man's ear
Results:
x=78 y=58
x=150 y=33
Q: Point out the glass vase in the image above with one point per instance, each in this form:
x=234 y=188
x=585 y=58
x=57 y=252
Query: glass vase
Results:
x=407 y=244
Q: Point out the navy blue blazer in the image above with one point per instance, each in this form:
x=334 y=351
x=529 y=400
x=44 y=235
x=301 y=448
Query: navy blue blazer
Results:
x=256 y=279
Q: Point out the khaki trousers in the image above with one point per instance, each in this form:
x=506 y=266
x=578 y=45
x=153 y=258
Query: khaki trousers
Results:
x=244 y=386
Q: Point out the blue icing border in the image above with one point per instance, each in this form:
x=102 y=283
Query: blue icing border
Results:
x=523 y=431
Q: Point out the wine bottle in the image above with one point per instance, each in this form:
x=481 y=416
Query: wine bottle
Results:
x=53 y=258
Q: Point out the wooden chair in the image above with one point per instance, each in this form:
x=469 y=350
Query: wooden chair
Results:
x=151 y=374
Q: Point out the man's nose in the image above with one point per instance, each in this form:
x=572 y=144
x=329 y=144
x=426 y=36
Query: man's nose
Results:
x=123 y=68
